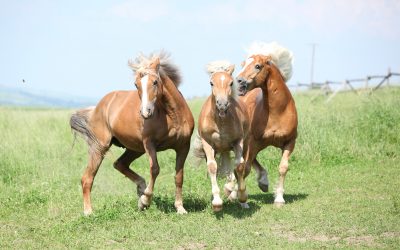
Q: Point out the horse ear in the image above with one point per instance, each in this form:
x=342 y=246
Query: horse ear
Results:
x=132 y=65
x=267 y=60
x=156 y=64
x=230 y=69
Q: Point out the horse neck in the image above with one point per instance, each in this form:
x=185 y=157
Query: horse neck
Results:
x=172 y=100
x=275 y=91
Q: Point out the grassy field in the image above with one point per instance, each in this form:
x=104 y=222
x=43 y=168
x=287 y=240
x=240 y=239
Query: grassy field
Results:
x=342 y=190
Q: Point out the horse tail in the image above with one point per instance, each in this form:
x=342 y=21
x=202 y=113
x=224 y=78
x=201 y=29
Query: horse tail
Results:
x=79 y=123
x=198 y=150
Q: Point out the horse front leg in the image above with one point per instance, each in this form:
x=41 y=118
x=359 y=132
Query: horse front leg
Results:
x=145 y=199
x=180 y=162
x=283 y=168
x=240 y=172
x=212 y=171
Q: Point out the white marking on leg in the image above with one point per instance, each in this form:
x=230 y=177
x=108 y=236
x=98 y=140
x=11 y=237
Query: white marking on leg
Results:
x=238 y=161
x=145 y=99
x=211 y=161
x=279 y=195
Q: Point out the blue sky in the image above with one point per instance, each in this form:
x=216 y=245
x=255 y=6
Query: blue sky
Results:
x=81 y=48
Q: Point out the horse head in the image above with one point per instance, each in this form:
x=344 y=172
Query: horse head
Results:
x=254 y=73
x=149 y=88
x=221 y=82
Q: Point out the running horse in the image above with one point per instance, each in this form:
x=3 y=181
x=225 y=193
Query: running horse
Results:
x=223 y=126
x=273 y=115
x=154 y=118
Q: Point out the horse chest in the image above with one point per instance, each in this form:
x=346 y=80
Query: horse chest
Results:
x=220 y=141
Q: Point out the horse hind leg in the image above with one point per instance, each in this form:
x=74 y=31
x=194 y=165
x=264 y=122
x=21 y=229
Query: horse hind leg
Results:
x=181 y=156
x=122 y=165
x=283 y=168
x=230 y=187
x=95 y=159
x=262 y=176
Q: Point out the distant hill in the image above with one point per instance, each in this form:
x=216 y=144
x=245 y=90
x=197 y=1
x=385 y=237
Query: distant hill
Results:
x=17 y=97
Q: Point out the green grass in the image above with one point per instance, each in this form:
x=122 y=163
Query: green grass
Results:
x=341 y=190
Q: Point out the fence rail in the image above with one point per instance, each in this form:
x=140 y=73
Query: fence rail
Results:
x=326 y=87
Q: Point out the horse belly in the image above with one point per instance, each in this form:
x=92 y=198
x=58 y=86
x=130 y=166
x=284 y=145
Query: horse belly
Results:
x=131 y=142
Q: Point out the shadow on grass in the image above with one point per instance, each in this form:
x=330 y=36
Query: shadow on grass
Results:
x=268 y=198
x=191 y=204
x=235 y=210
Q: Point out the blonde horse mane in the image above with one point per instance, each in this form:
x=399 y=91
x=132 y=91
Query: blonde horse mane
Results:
x=167 y=68
x=222 y=66
x=281 y=57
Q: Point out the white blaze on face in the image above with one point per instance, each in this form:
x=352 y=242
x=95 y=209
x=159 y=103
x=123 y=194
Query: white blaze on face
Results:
x=145 y=98
x=247 y=63
x=222 y=80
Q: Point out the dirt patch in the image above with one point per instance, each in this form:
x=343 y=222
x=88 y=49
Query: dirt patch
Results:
x=191 y=246
x=391 y=235
x=293 y=237
x=364 y=240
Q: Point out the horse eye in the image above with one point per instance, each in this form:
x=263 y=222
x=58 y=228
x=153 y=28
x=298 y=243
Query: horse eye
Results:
x=155 y=83
x=231 y=84
x=211 y=84
x=258 y=66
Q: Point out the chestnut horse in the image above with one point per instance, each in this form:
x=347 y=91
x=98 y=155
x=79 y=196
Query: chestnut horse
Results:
x=273 y=115
x=223 y=126
x=156 y=117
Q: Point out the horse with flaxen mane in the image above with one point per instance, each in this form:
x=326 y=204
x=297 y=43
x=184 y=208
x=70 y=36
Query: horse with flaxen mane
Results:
x=273 y=115
x=223 y=126
x=156 y=117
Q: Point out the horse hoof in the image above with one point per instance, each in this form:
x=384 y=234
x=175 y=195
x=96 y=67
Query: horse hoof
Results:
x=216 y=204
x=181 y=210
x=140 y=189
x=233 y=196
x=244 y=205
x=263 y=187
x=227 y=192
x=279 y=204
x=87 y=212
x=217 y=208
x=142 y=204
x=228 y=189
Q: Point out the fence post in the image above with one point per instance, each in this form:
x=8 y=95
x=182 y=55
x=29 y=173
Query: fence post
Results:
x=366 y=82
x=389 y=75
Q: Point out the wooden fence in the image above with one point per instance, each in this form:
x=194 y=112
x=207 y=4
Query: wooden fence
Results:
x=326 y=87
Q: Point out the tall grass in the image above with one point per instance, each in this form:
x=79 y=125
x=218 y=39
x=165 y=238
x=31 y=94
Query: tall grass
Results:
x=341 y=190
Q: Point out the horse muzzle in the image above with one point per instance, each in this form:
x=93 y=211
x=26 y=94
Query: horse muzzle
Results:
x=242 y=88
x=222 y=108
x=146 y=113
